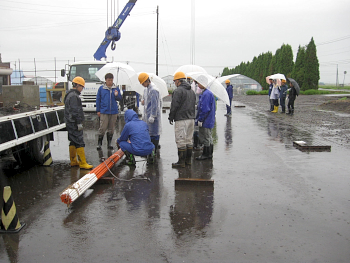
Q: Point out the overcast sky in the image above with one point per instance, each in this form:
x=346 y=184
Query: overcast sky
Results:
x=226 y=33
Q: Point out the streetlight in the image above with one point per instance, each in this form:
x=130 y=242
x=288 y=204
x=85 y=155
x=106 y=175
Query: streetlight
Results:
x=344 y=77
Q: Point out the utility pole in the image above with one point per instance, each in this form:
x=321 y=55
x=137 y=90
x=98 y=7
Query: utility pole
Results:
x=192 y=38
x=337 y=80
x=157 y=41
x=36 y=80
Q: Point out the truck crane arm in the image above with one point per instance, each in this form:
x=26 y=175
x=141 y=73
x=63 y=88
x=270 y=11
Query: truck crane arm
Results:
x=113 y=34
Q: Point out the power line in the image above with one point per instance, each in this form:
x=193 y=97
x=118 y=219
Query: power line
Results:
x=51 y=6
x=333 y=41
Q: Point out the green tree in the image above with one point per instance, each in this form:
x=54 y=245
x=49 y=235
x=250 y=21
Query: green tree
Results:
x=225 y=72
x=286 y=60
x=311 y=66
x=299 y=68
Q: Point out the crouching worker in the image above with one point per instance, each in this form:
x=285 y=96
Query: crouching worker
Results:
x=134 y=139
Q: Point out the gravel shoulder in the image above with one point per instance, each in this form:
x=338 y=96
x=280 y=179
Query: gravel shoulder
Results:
x=326 y=116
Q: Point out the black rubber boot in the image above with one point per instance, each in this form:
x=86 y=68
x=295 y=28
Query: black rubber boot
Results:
x=291 y=112
x=189 y=156
x=210 y=153
x=99 y=142
x=155 y=143
x=182 y=157
x=151 y=158
x=109 y=141
x=205 y=154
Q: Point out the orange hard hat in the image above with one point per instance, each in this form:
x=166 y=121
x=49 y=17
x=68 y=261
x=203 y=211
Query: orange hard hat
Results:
x=143 y=77
x=179 y=75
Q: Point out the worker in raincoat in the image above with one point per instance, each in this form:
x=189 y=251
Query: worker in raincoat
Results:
x=205 y=120
x=74 y=117
x=275 y=94
x=134 y=138
x=229 y=90
x=283 y=95
x=292 y=96
x=152 y=110
x=107 y=109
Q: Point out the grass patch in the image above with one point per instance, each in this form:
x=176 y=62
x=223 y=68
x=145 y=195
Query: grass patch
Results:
x=254 y=92
x=334 y=87
x=305 y=92
x=315 y=92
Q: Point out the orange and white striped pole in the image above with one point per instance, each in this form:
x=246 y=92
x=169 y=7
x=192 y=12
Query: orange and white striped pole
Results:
x=72 y=192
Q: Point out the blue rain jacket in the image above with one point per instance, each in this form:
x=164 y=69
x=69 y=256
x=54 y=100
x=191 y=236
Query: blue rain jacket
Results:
x=229 y=90
x=136 y=131
x=206 y=109
x=283 y=92
x=106 y=102
x=270 y=89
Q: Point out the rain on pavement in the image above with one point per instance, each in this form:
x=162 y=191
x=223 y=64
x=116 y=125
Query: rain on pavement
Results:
x=270 y=202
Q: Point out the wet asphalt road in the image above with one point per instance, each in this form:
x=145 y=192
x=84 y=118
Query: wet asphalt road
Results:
x=270 y=202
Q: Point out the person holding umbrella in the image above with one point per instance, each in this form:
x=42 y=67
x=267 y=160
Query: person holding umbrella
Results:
x=182 y=111
x=283 y=95
x=205 y=119
x=229 y=90
x=107 y=109
x=152 y=110
x=275 y=93
x=293 y=93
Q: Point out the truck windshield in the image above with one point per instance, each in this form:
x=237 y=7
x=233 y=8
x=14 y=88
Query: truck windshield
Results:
x=86 y=71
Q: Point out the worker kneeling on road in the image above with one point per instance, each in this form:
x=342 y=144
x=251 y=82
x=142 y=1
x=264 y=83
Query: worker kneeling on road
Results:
x=74 y=117
x=134 y=139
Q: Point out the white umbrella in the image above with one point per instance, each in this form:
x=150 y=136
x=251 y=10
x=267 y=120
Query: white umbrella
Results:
x=190 y=68
x=277 y=76
x=211 y=84
x=224 y=78
x=159 y=82
x=123 y=75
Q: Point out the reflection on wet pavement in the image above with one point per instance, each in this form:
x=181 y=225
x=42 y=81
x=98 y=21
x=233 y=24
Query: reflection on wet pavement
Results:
x=272 y=202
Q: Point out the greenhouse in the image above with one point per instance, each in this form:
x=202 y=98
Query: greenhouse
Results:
x=242 y=83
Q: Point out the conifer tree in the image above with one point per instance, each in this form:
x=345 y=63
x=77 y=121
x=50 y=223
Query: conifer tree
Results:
x=299 y=69
x=286 y=60
x=311 y=66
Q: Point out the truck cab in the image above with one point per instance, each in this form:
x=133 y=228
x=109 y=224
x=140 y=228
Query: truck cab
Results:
x=86 y=70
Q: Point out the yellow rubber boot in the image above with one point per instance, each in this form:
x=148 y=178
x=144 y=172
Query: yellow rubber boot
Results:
x=73 y=156
x=82 y=160
x=275 y=109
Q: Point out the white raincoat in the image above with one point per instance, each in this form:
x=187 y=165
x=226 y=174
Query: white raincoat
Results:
x=275 y=93
x=152 y=113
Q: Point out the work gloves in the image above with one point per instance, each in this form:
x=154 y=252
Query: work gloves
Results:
x=80 y=127
x=151 y=119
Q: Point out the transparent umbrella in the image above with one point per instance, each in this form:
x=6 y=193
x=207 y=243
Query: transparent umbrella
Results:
x=190 y=68
x=159 y=82
x=211 y=84
x=276 y=77
x=224 y=78
x=123 y=75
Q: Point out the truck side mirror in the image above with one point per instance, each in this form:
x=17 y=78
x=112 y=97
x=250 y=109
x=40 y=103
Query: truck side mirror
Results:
x=63 y=72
